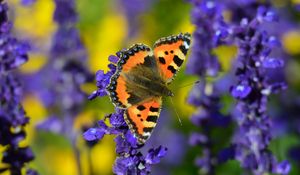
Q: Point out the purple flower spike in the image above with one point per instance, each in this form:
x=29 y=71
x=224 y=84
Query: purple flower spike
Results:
x=210 y=32
x=13 y=118
x=253 y=135
x=65 y=12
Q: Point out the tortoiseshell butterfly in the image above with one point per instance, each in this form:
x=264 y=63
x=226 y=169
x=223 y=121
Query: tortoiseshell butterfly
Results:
x=141 y=81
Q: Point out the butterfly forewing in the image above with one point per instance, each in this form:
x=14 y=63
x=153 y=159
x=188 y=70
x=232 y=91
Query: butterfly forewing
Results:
x=170 y=53
x=122 y=91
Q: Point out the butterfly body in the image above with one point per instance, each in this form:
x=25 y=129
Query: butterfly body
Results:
x=141 y=81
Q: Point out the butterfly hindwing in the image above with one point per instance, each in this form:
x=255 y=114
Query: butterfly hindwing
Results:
x=142 y=118
x=170 y=53
x=133 y=62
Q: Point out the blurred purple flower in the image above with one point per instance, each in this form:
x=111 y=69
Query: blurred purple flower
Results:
x=207 y=117
x=66 y=71
x=133 y=9
x=240 y=91
x=252 y=90
x=51 y=124
x=58 y=83
x=94 y=134
x=272 y=63
x=210 y=32
x=244 y=8
x=154 y=155
x=65 y=12
x=12 y=115
x=27 y=2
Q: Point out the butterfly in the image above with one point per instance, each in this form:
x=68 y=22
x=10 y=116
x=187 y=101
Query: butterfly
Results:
x=141 y=80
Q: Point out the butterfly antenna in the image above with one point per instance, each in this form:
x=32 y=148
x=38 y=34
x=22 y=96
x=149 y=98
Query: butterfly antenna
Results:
x=190 y=84
x=176 y=112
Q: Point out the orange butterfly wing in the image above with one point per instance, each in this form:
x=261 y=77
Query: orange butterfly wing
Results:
x=170 y=53
x=142 y=118
x=118 y=86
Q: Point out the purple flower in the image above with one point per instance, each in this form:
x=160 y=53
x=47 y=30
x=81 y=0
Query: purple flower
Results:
x=94 y=134
x=133 y=9
x=66 y=68
x=12 y=115
x=253 y=135
x=283 y=167
x=272 y=63
x=210 y=32
x=198 y=139
x=207 y=118
x=27 y=2
x=65 y=72
x=51 y=124
x=154 y=155
x=65 y=12
x=103 y=79
x=240 y=91
x=244 y=8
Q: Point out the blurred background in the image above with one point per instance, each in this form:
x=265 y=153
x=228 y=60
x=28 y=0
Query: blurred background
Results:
x=105 y=27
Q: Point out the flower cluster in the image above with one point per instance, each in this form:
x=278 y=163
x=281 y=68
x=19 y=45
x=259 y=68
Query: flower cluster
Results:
x=12 y=115
x=243 y=9
x=65 y=72
x=133 y=10
x=251 y=91
x=66 y=69
x=210 y=31
x=208 y=116
x=130 y=159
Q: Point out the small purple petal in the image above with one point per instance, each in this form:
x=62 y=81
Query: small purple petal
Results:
x=113 y=58
x=117 y=119
x=27 y=2
x=226 y=154
x=271 y=16
x=93 y=134
x=272 y=63
x=51 y=124
x=283 y=168
x=154 y=155
x=197 y=138
x=240 y=91
x=93 y=95
x=274 y=42
x=131 y=139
